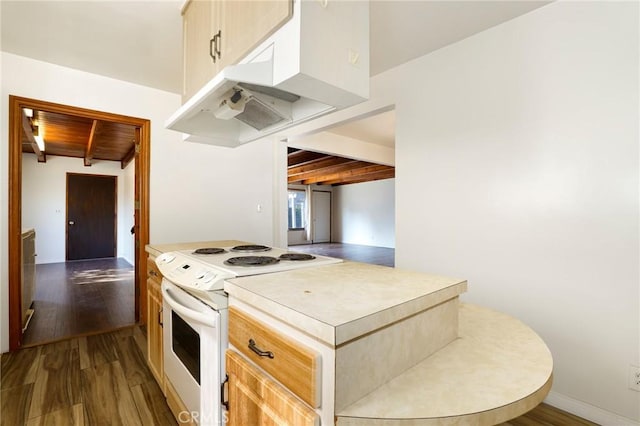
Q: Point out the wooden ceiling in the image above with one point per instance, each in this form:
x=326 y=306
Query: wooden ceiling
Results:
x=308 y=167
x=75 y=136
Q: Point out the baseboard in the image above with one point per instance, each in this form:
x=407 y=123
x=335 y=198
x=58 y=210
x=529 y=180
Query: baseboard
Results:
x=587 y=411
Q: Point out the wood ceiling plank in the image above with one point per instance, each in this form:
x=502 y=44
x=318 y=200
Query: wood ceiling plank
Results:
x=307 y=167
x=319 y=164
x=329 y=171
x=28 y=131
x=68 y=135
x=300 y=157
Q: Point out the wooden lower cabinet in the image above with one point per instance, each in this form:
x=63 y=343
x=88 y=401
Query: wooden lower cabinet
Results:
x=256 y=399
x=155 y=358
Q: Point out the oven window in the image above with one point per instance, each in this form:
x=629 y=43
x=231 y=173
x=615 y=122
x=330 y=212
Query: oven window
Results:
x=186 y=345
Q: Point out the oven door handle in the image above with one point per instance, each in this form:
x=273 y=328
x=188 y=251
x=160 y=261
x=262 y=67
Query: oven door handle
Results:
x=186 y=312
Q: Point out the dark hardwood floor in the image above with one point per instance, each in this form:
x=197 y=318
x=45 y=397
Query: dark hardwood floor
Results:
x=101 y=379
x=359 y=253
x=81 y=297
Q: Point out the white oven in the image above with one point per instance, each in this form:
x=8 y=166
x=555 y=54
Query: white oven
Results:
x=195 y=338
x=195 y=328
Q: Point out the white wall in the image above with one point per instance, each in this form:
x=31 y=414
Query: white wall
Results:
x=364 y=213
x=518 y=169
x=44 y=188
x=197 y=192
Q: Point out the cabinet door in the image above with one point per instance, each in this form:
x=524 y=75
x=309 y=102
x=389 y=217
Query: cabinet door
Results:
x=245 y=24
x=255 y=399
x=154 y=331
x=198 y=30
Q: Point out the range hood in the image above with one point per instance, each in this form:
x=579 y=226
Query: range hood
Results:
x=293 y=77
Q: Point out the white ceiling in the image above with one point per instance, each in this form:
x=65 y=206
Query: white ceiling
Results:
x=141 y=41
x=136 y=41
x=379 y=129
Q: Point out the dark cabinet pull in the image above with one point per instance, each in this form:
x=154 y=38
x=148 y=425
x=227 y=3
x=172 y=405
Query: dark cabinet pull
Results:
x=254 y=348
x=218 y=44
x=211 y=42
x=224 y=388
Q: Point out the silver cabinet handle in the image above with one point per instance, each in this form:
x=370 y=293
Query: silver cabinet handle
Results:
x=71 y=222
x=211 y=50
x=218 y=45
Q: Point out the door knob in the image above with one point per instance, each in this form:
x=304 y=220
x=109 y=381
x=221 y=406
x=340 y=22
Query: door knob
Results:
x=71 y=222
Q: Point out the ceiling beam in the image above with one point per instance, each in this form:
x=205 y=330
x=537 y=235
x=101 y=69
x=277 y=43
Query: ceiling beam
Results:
x=91 y=144
x=329 y=171
x=383 y=174
x=348 y=174
x=28 y=130
x=129 y=156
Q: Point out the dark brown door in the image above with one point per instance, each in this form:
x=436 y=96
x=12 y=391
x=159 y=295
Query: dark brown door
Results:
x=91 y=216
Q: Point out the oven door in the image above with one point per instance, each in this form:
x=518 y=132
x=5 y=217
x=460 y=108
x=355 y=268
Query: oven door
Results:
x=192 y=362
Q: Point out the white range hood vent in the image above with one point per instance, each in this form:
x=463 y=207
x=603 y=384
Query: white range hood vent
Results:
x=244 y=103
x=296 y=75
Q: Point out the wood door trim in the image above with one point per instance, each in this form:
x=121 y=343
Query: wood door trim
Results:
x=141 y=207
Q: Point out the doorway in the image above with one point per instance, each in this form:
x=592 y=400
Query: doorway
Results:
x=321 y=216
x=91 y=216
x=102 y=123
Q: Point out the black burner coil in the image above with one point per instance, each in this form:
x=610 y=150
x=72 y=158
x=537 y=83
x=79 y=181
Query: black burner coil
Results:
x=296 y=256
x=251 y=261
x=209 y=250
x=250 y=248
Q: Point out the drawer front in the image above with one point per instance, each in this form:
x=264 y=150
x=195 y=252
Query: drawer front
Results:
x=152 y=270
x=292 y=364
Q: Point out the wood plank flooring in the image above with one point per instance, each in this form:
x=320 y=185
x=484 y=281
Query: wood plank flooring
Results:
x=104 y=380
x=92 y=380
x=358 y=253
x=547 y=415
x=81 y=297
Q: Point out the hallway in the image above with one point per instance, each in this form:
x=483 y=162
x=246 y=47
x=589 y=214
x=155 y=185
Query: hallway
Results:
x=81 y=297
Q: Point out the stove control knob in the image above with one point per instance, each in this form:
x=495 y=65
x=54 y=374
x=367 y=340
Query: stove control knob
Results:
x=165 y=258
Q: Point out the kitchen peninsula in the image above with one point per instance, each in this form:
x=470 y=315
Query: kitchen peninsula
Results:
x=385 y=347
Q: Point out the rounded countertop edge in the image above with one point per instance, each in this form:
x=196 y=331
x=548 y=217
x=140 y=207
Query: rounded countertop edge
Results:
x=483 y=329
x=488 y=417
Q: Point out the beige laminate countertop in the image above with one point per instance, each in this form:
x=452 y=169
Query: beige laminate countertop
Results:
x=339 y=302
x=496 y=370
